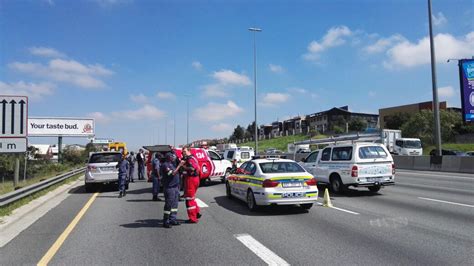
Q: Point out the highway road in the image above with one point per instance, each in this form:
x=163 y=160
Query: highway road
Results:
x=427 y=218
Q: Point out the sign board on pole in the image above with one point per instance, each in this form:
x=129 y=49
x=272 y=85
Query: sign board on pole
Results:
x=466 y=76
x=13 y=145
x=102 y=141
x=58 y=126
x=13 y=116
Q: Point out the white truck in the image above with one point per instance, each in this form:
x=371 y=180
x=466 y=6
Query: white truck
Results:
x=392 y=139
x=301 y=148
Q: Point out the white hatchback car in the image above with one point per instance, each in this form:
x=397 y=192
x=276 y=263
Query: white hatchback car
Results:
x=101 y=169
x=272 y=181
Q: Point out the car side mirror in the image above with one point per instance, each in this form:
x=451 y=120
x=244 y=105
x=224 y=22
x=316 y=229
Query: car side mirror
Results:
x=303 y=160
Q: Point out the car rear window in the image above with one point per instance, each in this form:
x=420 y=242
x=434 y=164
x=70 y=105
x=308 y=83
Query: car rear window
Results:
x=281 y=167
x=371 y=152
x=342 y=154
x=105 y=157
x=245 y=155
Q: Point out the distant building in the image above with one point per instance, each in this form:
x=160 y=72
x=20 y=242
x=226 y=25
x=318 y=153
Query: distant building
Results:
x=386 y=113
x=277 y=127
x=326 y=120
x=265 y=130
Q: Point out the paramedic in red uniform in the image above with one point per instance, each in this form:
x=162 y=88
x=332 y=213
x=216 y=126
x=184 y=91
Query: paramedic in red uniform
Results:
x=190 y=167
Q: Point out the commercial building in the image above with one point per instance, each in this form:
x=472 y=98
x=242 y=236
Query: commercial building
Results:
x=327 y=120
x=386 y=113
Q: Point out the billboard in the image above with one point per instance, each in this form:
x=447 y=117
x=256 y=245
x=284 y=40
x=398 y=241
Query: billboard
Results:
x=57 y=126
x=466 y=76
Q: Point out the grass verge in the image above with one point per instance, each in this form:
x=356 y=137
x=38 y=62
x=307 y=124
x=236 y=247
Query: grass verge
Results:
x=7 y=210
x=280 y=143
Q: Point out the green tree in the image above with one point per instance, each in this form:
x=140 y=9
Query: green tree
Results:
x=238 y=133
x=357 y=124
x=397 y=120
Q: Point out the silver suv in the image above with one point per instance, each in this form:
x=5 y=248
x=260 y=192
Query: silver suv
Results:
x=101 y=168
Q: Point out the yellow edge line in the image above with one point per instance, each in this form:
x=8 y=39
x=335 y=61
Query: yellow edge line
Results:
x=59 y=242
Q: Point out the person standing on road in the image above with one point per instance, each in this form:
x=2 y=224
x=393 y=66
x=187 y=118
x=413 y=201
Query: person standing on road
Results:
x=155 y=176
x=170 y=181
x=141 y=164
x=123 y=169
x=131 y=161
x=191 y=173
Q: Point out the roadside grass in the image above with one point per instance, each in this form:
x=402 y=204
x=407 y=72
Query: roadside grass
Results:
x=450 y=146
x=280 y=143
x=7 y=210
x=7 y=186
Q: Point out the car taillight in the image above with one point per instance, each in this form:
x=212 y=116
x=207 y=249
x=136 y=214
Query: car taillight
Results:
x=355 y=171
x=90 y=168
x=311 y=182
x=393 y=168
x=270 y=183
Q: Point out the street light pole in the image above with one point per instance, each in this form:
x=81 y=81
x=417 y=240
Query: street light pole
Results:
x=437 y=126
x=255 y=30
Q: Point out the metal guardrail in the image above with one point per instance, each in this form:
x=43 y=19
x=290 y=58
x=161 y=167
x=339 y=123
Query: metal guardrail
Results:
x=26 y=191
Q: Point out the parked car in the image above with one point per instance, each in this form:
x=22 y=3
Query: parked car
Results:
x=448 y=152
x=470 y=153
x=272 y=181
x=101 y=169
x=358 y=164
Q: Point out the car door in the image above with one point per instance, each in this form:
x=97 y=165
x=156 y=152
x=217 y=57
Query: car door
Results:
x=322 y=166
x=236 y=179
x=217 y=161
x=310 y=163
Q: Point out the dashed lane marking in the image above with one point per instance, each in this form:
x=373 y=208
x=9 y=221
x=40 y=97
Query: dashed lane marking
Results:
x=260 y=250
x=448 y=202
x=59 y=242
x=201 y=203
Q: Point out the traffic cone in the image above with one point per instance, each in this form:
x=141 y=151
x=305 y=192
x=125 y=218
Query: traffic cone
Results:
x=327 y=199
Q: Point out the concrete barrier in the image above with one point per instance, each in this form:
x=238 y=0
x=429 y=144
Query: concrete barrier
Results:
x=456 y=164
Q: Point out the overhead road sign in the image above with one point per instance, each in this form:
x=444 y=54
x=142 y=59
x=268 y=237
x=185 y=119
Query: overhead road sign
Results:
x=13 y=116
x=60 y=126
x=13 y=145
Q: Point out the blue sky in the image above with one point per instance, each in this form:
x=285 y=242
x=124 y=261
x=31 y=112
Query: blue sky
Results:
x=130 y=64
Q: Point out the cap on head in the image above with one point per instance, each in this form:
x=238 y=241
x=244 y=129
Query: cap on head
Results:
x=170 y=157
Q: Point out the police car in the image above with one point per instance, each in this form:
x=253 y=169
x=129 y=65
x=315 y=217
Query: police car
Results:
x=272 y=181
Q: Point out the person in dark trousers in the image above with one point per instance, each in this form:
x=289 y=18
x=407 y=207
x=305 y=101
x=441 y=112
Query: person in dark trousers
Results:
x=155 y=176
x=170 y=181
x=131 y=161
x=123 y=169
x=141 y=165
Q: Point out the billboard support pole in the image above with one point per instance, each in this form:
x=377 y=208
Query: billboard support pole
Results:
x=60 y=149
x=16 y=176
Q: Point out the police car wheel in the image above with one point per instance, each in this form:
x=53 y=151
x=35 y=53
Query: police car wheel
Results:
x=227 y=190
x=306 y=206
x=374 y=189
x=251 y=201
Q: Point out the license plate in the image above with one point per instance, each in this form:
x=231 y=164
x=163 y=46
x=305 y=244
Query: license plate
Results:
x=293 y=195
x=107 y=168
x=372 y=179
x=291 y=184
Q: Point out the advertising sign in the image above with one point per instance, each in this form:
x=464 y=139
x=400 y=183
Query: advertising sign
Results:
x=466 y=76
x=56 y=126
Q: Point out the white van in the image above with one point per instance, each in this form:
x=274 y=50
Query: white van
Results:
x=241 y=154
x=408 y=146
x=358 y=164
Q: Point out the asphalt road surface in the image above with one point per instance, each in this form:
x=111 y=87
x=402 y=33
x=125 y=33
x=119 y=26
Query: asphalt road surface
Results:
x=425 y=219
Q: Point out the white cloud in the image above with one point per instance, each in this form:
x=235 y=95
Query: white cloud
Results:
x=221 y=127
x=275 y=98
x=439 y=20
x=276 y=68
x=147 y=112
x=215 y=90
x=165 y=95
x=45 y=52
x=297 y=90
x=197 y=65
x=34 y=91
x=216 y=111
x=140 y=98
x=383 y=44
x=407 y=54
x=229 y=77
x=335 y=36
x=446 y=92
x=67 y=71
x=99 y=117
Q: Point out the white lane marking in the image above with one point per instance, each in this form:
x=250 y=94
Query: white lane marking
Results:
x=448 y=202
x=201 y=203
x=343 y=210
x=260 y=250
